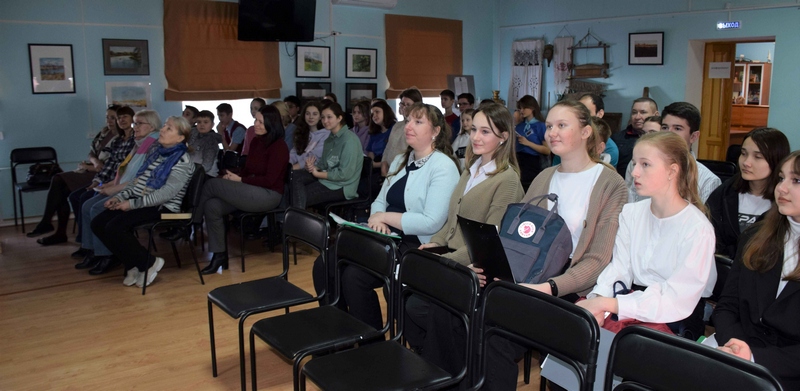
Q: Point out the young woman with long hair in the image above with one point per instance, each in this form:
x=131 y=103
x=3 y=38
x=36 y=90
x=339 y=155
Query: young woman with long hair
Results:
x=309 y=135
x=381 y=123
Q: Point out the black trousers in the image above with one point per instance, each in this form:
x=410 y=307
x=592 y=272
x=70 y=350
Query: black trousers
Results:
x=308 y=191
x=529 y=166
x=115 y=229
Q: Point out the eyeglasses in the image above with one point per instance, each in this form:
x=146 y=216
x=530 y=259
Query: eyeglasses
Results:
x=140 y=123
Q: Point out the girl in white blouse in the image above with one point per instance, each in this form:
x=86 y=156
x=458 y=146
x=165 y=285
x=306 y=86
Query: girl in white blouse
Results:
x=664 y=250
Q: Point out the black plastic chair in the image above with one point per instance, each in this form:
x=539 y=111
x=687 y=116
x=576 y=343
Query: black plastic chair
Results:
x=364 y=193
x=723 y=265
x=328 y=328
x=182 y=221
x=724 y=170
x=646 y=359
x=244 y=219
x=26 y=156
x=242 y=300
x=534 y=319
x=733 y=152
x=388 y=365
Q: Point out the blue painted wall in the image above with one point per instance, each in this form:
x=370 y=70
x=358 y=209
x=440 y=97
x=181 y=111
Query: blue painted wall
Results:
x=681 y=22
x=756 y=51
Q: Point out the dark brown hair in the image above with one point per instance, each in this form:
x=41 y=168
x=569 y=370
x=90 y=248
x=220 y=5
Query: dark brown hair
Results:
x=388 y=117
x=441 y=141
x=774 y=146
x=302 y=133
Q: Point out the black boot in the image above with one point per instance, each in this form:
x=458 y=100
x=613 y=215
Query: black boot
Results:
x=40 y=229
x=175 y=234
x=81 y=253
x=105 y=264
x=89 y=262
x=219 y=259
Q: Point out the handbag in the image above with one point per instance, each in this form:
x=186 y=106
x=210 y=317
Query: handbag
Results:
x=40 y=174
x=537 y=241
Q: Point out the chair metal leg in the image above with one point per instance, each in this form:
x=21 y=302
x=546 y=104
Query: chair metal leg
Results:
x=150 y=246
x=196 y=263
x=253 y=379
x=14 y=195
x=526 y=375
x=241 y=353
x=21 y=213
x=294 y=250
x=542 y=384
x=302 y=382
x=296 y=369
x=241 y=240
x=175 y=252
x=211 y=335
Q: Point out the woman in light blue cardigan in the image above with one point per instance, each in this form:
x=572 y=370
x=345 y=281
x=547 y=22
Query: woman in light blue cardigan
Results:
x=413 y=201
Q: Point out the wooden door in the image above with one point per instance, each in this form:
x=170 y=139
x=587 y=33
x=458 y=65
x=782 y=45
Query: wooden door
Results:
x=715 y=108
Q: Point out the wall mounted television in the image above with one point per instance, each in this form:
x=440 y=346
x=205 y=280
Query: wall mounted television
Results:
x=277 y=20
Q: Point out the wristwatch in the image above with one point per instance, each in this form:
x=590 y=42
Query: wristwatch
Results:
x=553 y=287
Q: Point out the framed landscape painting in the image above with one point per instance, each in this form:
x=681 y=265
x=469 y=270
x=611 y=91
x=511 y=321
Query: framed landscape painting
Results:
x=313 y=61
x=125 y=57
x=646 y=48
x=312 y=91
x=128 y=93
x=357 y=92
x=362 y=63
x=51 y=69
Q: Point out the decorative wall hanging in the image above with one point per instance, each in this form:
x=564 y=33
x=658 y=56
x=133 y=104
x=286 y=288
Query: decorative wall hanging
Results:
x=589 y=70
x=362 y=63
x=135 y=94
x=526 y=70
x=357 y=92
x=313 y=61
x=563 y=57
x=312 y=91
x=125 y=57
x=51 y=69
x=646 y=48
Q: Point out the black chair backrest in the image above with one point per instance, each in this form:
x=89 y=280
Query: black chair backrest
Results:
x=646 y=359
x=365 y=183
x=547 y=323
x=733 y=152
x=307 y=227
x=191 y=199
x=31 y=156
x=724 y=170
x=724 y=265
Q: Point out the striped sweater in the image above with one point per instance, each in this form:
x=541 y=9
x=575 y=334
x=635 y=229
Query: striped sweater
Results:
x=170 y=196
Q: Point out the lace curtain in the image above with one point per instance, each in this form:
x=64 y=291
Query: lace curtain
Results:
x=526 y=70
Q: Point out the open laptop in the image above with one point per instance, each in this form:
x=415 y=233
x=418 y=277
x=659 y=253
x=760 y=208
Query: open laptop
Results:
x=485 y=249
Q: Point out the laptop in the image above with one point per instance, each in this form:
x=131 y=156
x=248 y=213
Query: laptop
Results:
x=485 y=249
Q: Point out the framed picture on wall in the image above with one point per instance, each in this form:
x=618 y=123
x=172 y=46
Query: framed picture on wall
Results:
x=646 y=48
x=312 y=91
x=125 y=57
x=360 y=91
x=52 y=69
x=313 y=61
x=362 y=63
x=135 y=94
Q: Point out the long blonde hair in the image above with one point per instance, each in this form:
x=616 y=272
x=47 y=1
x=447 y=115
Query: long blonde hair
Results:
x=500 y=122
x=676 y=151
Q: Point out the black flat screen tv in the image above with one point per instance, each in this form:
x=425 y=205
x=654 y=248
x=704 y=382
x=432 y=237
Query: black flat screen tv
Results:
x=277 y=20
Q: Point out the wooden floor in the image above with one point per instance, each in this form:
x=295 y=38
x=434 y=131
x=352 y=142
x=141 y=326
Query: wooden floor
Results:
x=63 y=329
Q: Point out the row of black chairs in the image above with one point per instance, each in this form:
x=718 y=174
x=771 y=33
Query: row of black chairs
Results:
x=550 y=325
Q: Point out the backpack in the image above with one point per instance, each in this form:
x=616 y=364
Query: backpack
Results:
x=537 y=241
x=40 y=174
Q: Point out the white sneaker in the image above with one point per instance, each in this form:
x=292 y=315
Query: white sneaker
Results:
x=131 y=276
x=151 y=274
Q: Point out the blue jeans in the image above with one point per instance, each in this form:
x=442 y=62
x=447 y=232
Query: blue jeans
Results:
x=90 y=209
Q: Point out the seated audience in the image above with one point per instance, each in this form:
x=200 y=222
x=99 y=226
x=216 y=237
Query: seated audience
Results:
x=626 y=138
x=258 y=189
x=590 y=198
x=739 y=201
x=664 y=249
x=361 y=123
x=255 y=105
x=596 y=107
x=190 y=113
x=429 y=169
x=97 y=257
x=383 y=120
x=159 y=187
x=66 y=182
x=756 y=317
x=309 y=136
x=531 y=149
x=348 y=119
x=603 y=137
x=335 y=175
x=447 y=98
x=684 y=119
x=293 y=104
x=465 y=102
x=286 y=119
x=652 y=124
x=462 y=140
x=482 y=194
x=396 y=144
x=232 y=131
x=204 y=143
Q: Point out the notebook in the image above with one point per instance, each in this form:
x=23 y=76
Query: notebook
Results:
x=485 y=249
x=363 y=226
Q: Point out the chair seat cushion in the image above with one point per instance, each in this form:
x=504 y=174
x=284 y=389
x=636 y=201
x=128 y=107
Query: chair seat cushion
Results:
x=309 y=330
x=26 y=188
x=381 y=366
x=262 y=295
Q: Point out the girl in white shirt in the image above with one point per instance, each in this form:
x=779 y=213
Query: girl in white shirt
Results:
x=664 y=250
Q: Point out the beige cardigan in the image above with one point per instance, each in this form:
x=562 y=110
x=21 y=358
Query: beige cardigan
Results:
x=596 y=243
x=485 y=202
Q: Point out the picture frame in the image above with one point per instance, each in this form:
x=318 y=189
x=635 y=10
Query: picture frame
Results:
x=308 y=91
x=125 y=57
x=359 y=91
x=646 y=48
x=135 y=94
x=52 y=68
x=313 y=61
x=362 y=63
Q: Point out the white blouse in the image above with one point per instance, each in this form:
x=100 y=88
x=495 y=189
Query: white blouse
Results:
x=673 y=257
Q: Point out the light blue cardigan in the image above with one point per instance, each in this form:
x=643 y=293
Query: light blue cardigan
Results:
x=427 y=194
